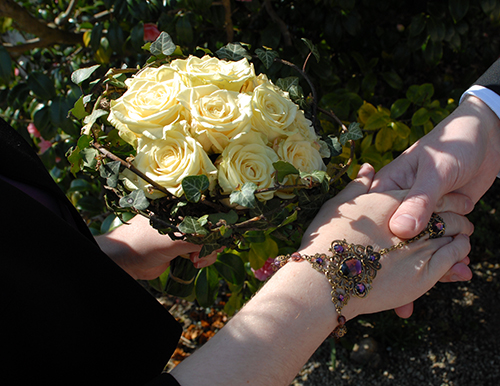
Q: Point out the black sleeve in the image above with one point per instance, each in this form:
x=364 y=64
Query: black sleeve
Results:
x=164 y=379
x=70 y=315
x=491 y=78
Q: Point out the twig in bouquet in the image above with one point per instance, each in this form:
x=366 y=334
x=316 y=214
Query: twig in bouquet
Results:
x=314 y=106
x=131 y=167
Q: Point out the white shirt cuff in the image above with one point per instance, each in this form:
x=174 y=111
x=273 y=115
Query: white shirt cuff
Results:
x=491 y=98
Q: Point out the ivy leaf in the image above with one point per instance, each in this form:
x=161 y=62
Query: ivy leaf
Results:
x=266 y=56
x=162 y=45
x=334 y=146
x=283 y=169
x=82 y=74
x=191 y=225
x=194 y=186
x=206 y=286
x=312 y=48
x=233 y=51
x=353 y=133
x=110 y=171
x=91 y=119
x=244 y=197
x=137 y=199
x=231 y=268
x=229 y=218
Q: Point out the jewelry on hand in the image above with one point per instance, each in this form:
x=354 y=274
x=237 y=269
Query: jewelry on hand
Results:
x=351 y=268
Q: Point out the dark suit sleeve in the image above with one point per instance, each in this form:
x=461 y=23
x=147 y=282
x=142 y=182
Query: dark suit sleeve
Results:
x=491 y=78
x=70 y=315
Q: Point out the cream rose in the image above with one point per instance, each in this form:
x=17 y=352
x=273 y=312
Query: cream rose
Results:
x=149 y=104
x=247 y=159
x=229 y=75
x=167 y=161
x=272 y=112
x=216 y=116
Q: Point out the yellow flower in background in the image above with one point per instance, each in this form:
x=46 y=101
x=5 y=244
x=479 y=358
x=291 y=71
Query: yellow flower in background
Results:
x=247 y=159
x=216 y=116
x=167 y=161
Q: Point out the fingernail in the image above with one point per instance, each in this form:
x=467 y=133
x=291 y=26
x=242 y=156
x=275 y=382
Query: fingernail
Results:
x=405 y=221
x=456 y=278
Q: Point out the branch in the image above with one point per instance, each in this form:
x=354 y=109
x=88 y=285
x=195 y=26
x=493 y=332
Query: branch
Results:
x=46 y=34
x=131 y=167
x=228 y=22
x=275 y=18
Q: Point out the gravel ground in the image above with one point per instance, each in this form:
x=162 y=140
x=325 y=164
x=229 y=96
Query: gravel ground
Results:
x=453 y=337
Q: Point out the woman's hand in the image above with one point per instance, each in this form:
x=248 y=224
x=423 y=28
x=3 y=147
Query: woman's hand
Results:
x=407 y=273
x=145 y=254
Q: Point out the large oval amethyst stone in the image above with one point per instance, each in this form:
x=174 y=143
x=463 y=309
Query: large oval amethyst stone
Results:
x=351 y=268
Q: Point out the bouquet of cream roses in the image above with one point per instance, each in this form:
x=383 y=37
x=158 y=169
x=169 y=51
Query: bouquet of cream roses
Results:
x=213 y=154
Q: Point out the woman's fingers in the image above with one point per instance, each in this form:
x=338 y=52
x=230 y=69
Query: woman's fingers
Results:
x=456 y=224
x=360 y=185
x=449 y=255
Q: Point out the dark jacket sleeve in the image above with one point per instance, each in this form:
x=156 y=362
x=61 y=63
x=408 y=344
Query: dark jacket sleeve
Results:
x=70 y=315
x=491 y=78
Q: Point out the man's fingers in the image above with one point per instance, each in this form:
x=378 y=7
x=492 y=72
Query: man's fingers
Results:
x=360 y=185
x=455 y=202
x=404 y=311
x=459 y=272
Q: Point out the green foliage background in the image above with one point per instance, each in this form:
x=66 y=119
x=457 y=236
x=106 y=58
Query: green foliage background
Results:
x=396 y=68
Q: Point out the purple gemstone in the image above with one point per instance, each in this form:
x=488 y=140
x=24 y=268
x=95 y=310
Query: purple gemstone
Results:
x=341 y=298
x=338 y=248
x=351 y=268
x=319 y=260
x=360 y=288
x=437 y=227
x=372 y=257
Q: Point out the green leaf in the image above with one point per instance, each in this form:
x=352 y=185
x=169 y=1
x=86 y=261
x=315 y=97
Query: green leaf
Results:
x=231 y=268
x=266 y=56
x=334 y=146
x=377 y=121
x=420 y=117
x=89 y=120
x=233 y=51
x=399 y=107
x=82 y=74
x=458 y=9
x=393 y=79
x=181 y=278
x=184 y=30
x=230 y=217
x=96 y=35
x=110 y=171
x=260 y=252
x=137 y=199
x=41 y=85
x=194 y=186
x=162 y=45
x=384 y=139
x=402 y=130
x=244 y=197
x=191 y=225
x=255 y=236
x=283 y=169
x=5 y=65
x=137 y=36
x=41 y=119
x=206 y=286
x=312 y=48
x=436 y=29
x=353 y=133
x=78 y=111
x=115 y=36
x=88 y=155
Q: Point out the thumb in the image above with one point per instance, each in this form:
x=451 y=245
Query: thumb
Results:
x=413 y=214
x=358 y=186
